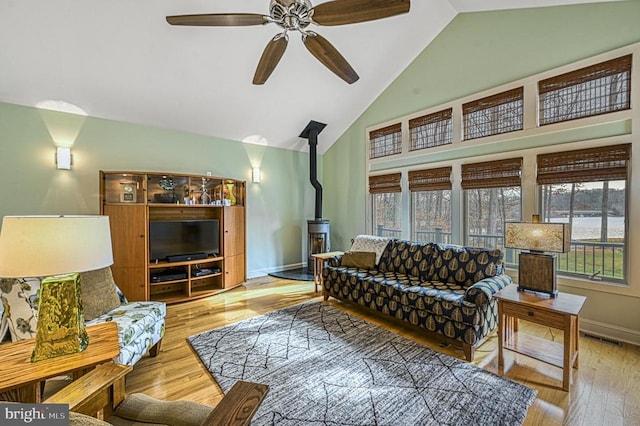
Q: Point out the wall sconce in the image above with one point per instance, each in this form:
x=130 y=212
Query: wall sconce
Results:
x=63 y=158
x=537 y=270
x=255 y=174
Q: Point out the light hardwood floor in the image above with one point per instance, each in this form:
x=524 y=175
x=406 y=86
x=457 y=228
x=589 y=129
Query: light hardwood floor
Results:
x=605 y=389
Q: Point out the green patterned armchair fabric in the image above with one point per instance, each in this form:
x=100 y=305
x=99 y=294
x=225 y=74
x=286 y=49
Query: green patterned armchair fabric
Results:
x=445 y=289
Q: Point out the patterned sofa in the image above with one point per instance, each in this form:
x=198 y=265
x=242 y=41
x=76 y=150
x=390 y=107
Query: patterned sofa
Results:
x=140 y=324
x=445 y=289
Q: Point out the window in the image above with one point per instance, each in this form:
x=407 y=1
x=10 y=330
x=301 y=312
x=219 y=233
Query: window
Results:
x=431 y=130
x=387 y=204
x=386 y=141
x=593 y=90
x=431 y=204
x=587 y=188
x=492 y=197
x=494 y=114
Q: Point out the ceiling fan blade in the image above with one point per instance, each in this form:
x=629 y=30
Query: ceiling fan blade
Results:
x=340 y=12
x=330 y=57
x=219 y=19
x=270 y=58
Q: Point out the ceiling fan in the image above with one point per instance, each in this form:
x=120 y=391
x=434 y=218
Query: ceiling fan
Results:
x=297 y=15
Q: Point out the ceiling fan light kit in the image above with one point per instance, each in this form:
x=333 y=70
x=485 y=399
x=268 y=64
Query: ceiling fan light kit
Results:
x=297 y=15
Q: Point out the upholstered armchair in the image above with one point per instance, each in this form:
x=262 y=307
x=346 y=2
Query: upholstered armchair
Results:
x=101 y=392
x=140 y=324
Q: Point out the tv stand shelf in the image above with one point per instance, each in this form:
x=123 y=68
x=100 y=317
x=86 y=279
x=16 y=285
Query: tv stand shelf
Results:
x=153 y=265
x=191 y=287
x=135 y=200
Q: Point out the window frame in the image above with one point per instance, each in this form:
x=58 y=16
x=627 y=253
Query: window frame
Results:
x=442 y=117
x=588 y=165
x=436 y=179
x=379 y=139
x=384 y=185
x=494 y=105
x=589 y=74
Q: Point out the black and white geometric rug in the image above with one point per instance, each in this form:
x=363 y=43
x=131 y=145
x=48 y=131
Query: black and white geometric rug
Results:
x=326 y=367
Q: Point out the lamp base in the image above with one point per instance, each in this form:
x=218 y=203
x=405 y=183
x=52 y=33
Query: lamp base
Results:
x=60 y=329
x=537 y=272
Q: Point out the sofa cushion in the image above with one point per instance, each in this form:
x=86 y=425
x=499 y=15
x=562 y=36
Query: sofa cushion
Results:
x=20 y=298
x=408 y=257
x=98 y=293
x=359 y=259
x=464 y=265
x=370 y=243
x=140 y=326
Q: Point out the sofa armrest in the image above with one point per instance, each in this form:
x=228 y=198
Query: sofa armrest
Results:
x=335 y=261
x=481 y=292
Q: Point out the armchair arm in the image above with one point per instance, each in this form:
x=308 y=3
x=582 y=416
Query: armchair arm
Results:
x=89 y=393
x=238 y=405
x=481 y=292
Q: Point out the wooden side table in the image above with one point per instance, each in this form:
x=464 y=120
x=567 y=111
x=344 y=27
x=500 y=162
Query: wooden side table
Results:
x=22 y=378
x=318 y=265
x=561 y=312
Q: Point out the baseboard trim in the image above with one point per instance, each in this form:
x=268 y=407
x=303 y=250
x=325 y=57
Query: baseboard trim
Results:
x=610 y=331
x=257 y=273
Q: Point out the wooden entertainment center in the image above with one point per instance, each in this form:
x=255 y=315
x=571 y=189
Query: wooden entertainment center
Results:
x=135 y=200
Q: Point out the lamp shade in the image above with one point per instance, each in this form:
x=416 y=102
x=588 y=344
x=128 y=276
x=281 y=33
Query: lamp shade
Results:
x=35 y=246
x=550 y=237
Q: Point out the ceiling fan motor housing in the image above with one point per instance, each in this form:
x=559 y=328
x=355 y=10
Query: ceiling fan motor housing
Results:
x=291 y=14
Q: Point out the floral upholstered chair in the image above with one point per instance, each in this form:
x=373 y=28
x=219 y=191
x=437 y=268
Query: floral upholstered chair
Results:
x=140 y=324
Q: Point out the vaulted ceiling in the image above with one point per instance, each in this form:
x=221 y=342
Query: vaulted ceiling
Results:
x=120 y=60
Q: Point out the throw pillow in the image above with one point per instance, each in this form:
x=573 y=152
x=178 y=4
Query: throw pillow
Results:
x=359 y=259
x=98 y=293
x=370 y=243
x=20 y=299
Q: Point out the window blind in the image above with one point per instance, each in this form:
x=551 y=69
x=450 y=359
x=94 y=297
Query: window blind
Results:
x=385 y=141
x=584 y=165
x=431 y=130
x=385 y=183
x=499 y=113
x=430 y=179
x=593 y=90
x=492 y=174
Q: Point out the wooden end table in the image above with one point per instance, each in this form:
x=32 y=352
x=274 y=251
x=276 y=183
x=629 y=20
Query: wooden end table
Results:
x=561 y=312
x=318 y=265
x=22 y=378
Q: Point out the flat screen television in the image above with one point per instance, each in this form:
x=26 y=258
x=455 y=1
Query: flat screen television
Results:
x=168 y=238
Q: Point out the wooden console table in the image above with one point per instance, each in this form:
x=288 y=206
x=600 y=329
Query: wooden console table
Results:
x=318 y=265
x=561 y=312
x=20 y=378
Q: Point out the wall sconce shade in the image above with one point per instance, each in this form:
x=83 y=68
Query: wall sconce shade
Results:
x=540 y=237
x=36 y=246
x=63 y=158
x=255 y=174
x=537 y=271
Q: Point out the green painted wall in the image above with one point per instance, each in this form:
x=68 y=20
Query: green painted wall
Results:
x=475 y=52
x=277 y=208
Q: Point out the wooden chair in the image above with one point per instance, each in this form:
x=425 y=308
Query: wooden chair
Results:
x=101 y=393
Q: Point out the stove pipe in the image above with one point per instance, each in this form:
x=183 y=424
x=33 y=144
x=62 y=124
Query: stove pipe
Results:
x=311 y=132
